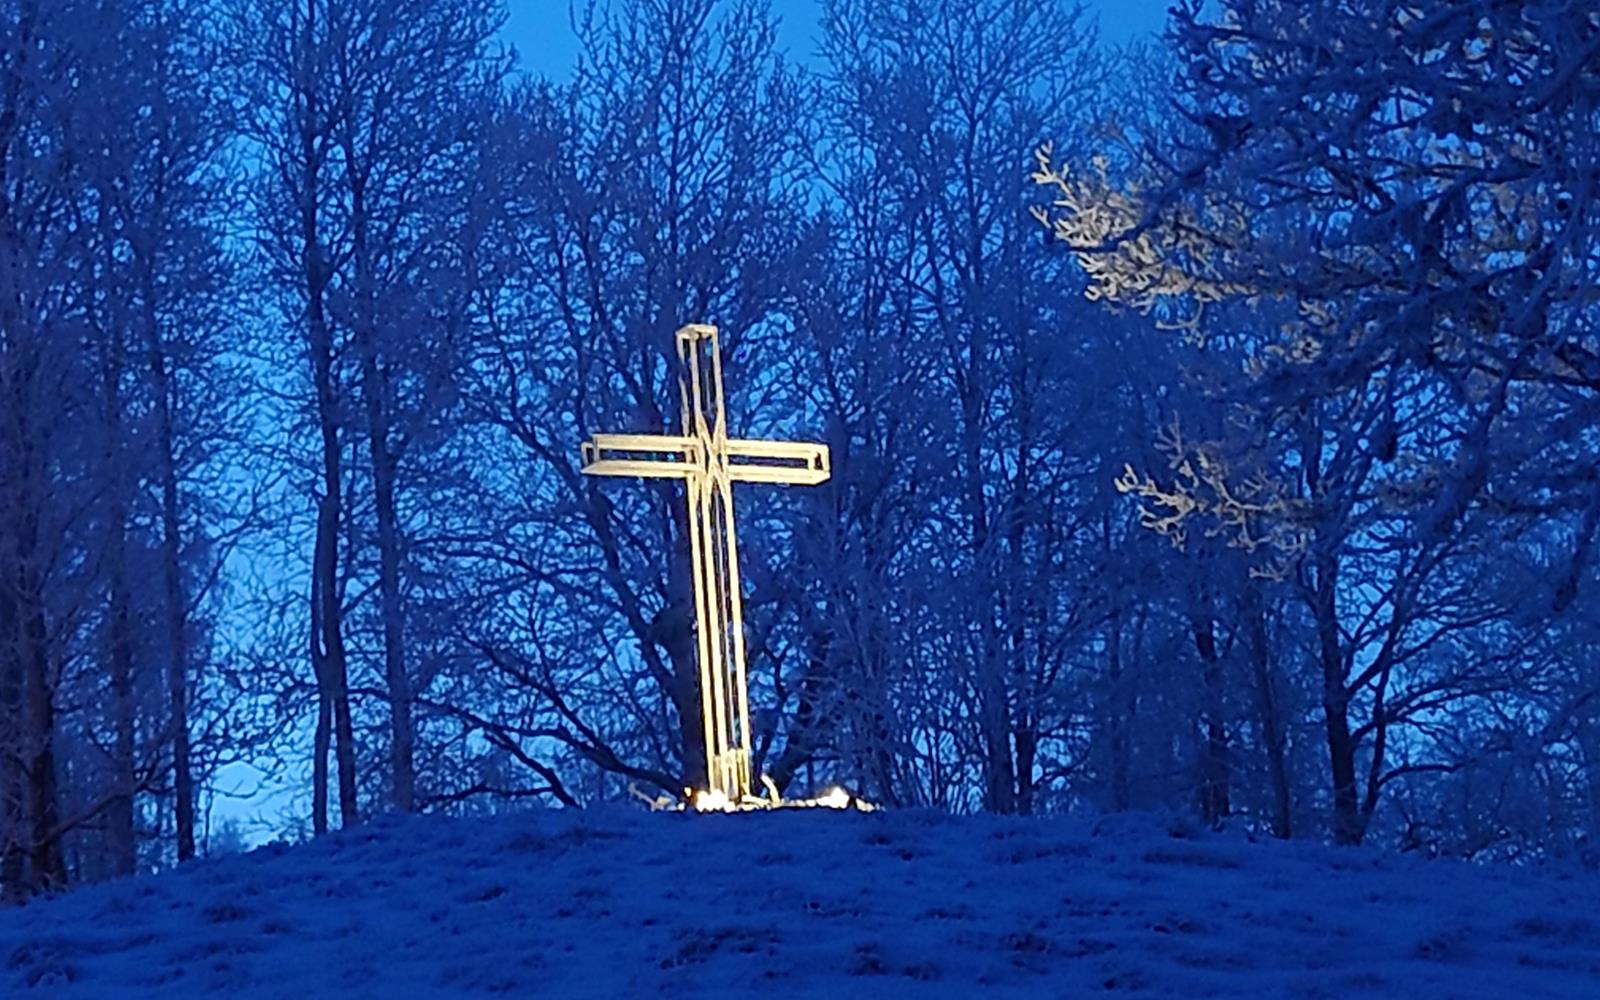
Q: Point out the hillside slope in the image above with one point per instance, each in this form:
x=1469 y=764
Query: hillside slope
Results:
x=809 y=903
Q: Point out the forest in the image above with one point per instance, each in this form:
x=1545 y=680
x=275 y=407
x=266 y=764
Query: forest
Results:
x=1215 y=420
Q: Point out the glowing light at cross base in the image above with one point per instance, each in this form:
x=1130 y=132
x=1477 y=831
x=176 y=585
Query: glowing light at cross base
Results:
x=833 y=798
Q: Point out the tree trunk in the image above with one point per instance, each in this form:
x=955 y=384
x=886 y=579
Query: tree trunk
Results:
x=374 y=392
x=1018 y=603
x=334 y=672
x=163 y=391
x=176 y=603
x=880 y=757
x=993 y=697
x=685 y=696
x=119 y=813
x=673 y=630
x=319 y=765
x=1027 y=740
x=323 y=734
x=119 y=652
x=1274 y=731
x=49 y=868
x=12 y=782
x=329 y=650
x=13 y=719
x=1214 y=767
x=29 y=773
x=1347 y=826
x=994 y=718
x=402 y=736
x=1121 y=717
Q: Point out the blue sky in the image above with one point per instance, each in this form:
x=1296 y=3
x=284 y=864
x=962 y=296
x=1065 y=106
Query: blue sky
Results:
x=542 y=34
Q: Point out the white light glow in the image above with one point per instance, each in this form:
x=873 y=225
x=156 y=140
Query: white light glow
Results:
x=714 y=801
x=835 y=798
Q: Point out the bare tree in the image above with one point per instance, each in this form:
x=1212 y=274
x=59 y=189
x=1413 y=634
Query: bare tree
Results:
x=291 y=50
x=925 y=117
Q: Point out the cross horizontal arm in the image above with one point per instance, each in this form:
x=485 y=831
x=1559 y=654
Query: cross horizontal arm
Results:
x=794 y=463
x=652 y=456
x=673 y=456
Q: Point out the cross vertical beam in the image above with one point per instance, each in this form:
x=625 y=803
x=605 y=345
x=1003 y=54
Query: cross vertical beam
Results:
x=710 y=462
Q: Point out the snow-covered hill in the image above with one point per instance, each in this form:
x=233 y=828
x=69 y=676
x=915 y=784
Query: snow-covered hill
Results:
x=809 y=903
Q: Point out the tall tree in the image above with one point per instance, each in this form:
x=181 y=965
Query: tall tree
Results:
x=288 y=53
x=1394 y=200
x=926 y=110
x=416 y=82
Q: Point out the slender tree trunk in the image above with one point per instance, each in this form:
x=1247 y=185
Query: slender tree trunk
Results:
x=36 y=753
x=1022 y=724
x=402 y=736
x=1019 y=597
x=399 y=682
x=1274 y=729
x=28 y=685
x=1214 y=766
x=1121 y=706
x=1027 y=740
x=1347 y=826
x=329 y=660
x=334 y=672
x=327 y=657
x=1380 y=741
x=1323 y=599
x=677 y=637
x=175 y=602
x=12 y=782
x=686 y=700
x=319 y=765
x=49 y=867
x=322 y=737
x=374 y=392
x=119 y=812
x=994 y=712
x=994 y=718
x=16 y=714
x=880 y=757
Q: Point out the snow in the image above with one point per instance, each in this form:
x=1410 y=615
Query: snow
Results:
x=817 y=903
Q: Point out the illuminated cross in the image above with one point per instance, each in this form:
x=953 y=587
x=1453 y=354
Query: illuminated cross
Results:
x=709 y=462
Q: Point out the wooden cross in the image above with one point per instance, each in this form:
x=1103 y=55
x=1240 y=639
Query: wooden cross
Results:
x=709 y=462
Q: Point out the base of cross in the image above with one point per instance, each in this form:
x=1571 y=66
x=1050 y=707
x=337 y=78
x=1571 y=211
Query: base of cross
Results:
x=701 y=800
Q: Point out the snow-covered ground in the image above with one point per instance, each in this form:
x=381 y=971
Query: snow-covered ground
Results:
x=814 y=903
